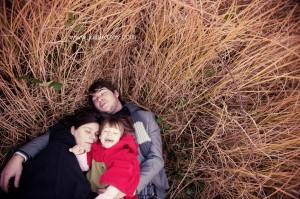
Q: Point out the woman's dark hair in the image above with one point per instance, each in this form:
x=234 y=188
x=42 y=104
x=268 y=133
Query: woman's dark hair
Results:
x=84 y=116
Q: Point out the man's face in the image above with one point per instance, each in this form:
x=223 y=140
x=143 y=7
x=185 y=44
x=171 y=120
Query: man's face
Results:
x=110 y=136
x=105 y=100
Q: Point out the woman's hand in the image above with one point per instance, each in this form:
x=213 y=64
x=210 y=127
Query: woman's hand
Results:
x=77 y=150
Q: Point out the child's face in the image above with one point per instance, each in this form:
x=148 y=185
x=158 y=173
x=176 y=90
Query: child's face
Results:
x=110 y=136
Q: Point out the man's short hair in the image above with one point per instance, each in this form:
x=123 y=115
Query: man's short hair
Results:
x=100 y=83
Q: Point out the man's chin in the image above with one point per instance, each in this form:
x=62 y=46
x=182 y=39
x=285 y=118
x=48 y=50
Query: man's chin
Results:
x=102 y=109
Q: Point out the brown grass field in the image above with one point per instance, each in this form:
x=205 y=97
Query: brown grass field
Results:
x=222 y=76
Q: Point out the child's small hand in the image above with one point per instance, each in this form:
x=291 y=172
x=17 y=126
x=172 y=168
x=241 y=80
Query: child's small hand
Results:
x=101 y=196
x=120 y=195
x=77 y=150
x=101 y=190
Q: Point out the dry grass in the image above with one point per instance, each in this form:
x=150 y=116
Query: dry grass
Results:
x=222 y=76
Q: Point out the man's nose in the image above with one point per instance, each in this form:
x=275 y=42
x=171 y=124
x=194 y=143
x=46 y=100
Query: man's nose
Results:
x=98 y=98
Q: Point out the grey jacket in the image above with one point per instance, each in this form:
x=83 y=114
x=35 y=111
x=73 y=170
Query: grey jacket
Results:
x=148 y=137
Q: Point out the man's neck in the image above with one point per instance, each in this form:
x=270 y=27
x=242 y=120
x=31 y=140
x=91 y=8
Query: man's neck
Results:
x=118 y=107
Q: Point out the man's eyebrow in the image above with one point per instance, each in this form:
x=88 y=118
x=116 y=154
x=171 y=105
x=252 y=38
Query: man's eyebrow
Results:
x=97 y=91
x=100 y=89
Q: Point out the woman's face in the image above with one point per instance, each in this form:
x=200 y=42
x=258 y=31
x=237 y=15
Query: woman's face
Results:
x=86 y=134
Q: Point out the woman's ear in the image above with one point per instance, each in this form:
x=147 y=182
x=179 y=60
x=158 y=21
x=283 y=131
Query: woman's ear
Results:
x=72 y=130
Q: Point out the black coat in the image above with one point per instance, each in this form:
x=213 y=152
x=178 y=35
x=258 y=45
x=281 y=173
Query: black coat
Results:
x=55 y=172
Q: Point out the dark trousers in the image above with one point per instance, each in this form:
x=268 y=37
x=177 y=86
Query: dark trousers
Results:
x=11 y=195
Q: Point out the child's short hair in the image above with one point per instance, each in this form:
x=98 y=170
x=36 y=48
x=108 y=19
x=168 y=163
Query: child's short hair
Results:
x=121 y=122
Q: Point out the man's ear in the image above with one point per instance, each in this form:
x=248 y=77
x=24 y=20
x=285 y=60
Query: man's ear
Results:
x=72 y=130
x=116 y=93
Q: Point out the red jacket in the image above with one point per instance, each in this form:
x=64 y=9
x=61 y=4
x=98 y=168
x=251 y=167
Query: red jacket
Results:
x=121 y=162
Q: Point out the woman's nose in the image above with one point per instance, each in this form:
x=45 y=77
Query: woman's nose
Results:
x=94 y=138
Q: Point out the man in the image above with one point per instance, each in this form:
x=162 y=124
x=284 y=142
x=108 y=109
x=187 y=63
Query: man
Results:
x=104 y=97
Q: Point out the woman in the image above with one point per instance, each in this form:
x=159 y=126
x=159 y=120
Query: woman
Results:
x=55 y=172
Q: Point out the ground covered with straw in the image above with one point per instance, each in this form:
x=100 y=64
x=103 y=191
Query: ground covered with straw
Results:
x=223 y=78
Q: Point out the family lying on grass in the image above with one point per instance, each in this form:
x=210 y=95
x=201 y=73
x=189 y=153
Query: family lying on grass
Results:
x=69 y=161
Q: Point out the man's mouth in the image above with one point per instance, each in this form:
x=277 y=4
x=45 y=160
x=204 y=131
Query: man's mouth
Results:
x=102 y=104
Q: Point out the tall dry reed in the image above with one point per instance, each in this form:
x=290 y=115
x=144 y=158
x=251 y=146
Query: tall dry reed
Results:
x=222 y=76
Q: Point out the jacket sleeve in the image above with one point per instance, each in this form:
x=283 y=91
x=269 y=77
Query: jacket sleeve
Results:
x=153 y=162
x=32 y=148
